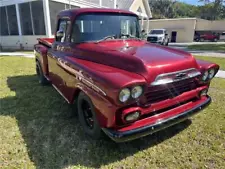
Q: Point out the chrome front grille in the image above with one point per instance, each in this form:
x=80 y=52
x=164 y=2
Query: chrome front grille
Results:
x=167 y=91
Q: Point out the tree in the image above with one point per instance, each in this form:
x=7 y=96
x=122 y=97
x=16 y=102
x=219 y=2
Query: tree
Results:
x=215 y=8
x=162 y=8
x=211 y=10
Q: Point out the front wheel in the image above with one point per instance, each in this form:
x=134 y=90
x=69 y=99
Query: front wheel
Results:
x=87 y=116
x=40 y=74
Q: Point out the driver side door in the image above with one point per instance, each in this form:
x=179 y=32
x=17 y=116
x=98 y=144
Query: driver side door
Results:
x=58 y=53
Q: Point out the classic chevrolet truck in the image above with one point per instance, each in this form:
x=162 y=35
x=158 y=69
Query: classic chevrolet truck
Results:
x=119 y=84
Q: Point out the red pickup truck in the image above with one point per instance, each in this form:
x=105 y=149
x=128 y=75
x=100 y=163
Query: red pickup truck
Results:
x=118 y=83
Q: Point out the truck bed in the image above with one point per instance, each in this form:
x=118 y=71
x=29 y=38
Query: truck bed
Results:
x=46 y=41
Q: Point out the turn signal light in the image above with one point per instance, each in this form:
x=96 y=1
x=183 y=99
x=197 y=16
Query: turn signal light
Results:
x=204 y=92
x=132 y=116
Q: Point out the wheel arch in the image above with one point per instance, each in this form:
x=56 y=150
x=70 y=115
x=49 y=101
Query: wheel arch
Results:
x=103 y=107
x=75 y=95
x=40 y=52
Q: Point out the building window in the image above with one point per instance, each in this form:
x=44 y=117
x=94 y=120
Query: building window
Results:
x=109 y=4
x=32 y=18
x=25 y=18
x=55 y=8
x=3 y=22
x=12 y=20
x=38 y=17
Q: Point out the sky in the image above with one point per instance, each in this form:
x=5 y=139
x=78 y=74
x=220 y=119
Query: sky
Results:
x=193 y=2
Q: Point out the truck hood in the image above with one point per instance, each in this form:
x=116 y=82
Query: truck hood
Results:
x=140 y=57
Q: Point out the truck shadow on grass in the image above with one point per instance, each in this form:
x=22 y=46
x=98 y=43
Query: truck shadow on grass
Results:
x=54 y=139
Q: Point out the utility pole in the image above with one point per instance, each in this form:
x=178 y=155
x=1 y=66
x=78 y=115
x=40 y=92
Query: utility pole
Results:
x=115 y=4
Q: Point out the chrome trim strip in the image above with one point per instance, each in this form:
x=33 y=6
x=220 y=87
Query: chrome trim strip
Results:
x=81 y=77
x=173 y=76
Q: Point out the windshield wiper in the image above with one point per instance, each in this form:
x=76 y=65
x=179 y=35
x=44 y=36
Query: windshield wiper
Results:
x=105 y=38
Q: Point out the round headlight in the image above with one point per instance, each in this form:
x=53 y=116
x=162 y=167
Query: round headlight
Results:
x=124 y=95
x=211 y=73
x=136 y=91
x=205 y=75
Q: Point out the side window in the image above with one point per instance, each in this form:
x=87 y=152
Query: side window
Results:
x=62 y=30
x=77 y=28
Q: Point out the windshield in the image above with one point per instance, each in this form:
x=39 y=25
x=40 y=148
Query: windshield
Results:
x=95 y=27
x=156 y=32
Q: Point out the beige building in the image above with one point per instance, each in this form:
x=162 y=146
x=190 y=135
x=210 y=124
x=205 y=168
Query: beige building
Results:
x=183 y=29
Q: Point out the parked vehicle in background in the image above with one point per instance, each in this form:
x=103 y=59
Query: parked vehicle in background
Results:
x=116 y=82
x=197 y=37
x=158 y=36
x=222 y=36
x=214 y=37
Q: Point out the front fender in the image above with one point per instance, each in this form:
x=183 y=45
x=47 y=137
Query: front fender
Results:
x=40 y=52
x=205 y=65
x=105 y=110
x=104 y=79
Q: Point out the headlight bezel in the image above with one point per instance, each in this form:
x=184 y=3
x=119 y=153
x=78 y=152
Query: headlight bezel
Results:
x=205 y=76
x=140 y=92
x=126 y=89
x=160 y=38
x=214 y=73
x=208 y=77
x=131 y=88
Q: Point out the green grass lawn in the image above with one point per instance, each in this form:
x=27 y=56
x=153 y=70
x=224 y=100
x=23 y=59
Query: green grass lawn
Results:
x=37 y=131
x=213 y=47
x=19 y=51
x=219 y=61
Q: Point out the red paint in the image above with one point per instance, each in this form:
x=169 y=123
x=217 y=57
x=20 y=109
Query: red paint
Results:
x=162 y=116
x=112 y=65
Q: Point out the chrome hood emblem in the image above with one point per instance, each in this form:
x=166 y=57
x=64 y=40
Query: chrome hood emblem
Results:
x=180 y=75
x=175 y=76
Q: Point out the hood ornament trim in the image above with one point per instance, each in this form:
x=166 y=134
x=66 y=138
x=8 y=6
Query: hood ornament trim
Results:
x=175 y=76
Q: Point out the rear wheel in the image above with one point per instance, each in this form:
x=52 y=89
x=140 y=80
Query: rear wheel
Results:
x=87 y=116
x=40 y=74
x=215 y=40
x=197 y=40
x=201 y=39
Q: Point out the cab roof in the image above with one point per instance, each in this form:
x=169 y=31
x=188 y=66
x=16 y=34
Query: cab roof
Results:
x=75 y=12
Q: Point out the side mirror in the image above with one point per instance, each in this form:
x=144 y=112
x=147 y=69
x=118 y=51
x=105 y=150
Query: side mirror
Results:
x=166 y=34
x=59 y=35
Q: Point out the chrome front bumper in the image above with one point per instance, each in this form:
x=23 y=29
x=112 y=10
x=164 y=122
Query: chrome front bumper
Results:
x=149 y=129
